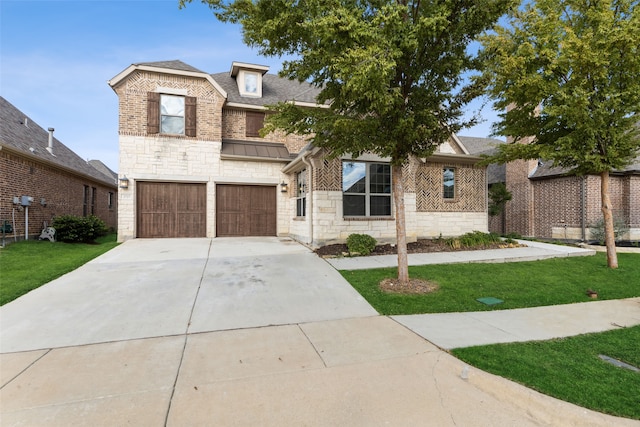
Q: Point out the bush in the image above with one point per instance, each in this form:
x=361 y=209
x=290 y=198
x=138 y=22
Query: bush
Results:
x=473 y=239
x=361 y=243
x=78 y=229
x=619 y=229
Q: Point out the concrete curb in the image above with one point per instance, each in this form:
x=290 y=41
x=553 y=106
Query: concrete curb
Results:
x=542 y=408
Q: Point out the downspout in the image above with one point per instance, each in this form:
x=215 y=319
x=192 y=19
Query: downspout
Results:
x=310 y=196
x=583 y=204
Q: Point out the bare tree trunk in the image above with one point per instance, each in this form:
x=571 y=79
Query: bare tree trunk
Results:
x=401 y=229
x=609 y=235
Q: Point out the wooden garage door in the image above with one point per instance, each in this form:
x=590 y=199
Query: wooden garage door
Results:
x=245 y=210
x=171 y=209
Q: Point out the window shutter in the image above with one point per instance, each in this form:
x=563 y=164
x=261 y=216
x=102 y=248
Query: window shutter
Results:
x=255 y=122
x=153 y=112
x=190 y=115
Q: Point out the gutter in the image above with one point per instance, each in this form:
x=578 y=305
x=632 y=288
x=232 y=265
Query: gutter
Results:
x=583 y=204
x=309 y=196
x=55 y=165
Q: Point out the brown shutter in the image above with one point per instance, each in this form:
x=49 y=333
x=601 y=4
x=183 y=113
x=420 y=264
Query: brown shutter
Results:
x=153 y=112
x=255 y=122
x=190 y=115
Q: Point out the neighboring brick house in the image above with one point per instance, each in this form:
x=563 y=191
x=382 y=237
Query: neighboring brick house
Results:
x=197 y=166
x=495 y=173
x=35 y=164
x=552 y=203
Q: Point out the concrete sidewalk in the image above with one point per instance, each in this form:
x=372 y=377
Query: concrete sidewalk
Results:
x=453 y=330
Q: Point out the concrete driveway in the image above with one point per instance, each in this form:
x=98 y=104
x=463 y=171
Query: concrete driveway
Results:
x=162 y=287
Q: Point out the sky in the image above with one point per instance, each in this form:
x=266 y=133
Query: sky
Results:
x=56 y=57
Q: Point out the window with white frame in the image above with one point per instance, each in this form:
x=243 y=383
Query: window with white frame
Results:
x=172 y=114
x=366 y=189
x=449 y=183
x=301 y=193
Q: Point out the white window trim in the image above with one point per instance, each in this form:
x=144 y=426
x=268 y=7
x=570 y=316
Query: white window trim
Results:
x=241 y=84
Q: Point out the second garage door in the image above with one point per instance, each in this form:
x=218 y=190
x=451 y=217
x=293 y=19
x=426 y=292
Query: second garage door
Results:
x=245 y=210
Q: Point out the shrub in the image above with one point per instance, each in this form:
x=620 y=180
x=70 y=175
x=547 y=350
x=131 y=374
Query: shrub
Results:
x=619 y=229
x=473 y=239
x=498 y=196
x=361 y=243
x=78 y=229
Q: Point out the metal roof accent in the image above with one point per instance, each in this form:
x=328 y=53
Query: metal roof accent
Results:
x=254 y=150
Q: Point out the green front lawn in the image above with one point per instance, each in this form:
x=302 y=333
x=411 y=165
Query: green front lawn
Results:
x=519 y=284
x=570 y=369
x=27 y=265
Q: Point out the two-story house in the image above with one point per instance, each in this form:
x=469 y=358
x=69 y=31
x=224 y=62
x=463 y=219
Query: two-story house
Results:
x=196 y=166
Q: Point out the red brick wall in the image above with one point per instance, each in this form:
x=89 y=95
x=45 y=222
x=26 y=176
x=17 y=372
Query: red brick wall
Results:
x=63 y=193
x=520 y=210
x=557 y=204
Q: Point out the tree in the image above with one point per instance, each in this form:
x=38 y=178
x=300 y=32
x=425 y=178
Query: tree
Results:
x=498 y=198
x=391 y=72
x=567 y=72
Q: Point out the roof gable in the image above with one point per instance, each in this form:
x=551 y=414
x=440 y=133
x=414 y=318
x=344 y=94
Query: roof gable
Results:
x=167 y=67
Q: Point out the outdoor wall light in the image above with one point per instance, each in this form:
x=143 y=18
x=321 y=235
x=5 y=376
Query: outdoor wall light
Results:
x=284 y=187
x=124 y=182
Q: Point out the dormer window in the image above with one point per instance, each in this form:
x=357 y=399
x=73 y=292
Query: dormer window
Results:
x=249 y=78
x=251 y=83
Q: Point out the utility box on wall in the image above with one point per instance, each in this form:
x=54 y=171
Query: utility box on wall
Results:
x=26 y=200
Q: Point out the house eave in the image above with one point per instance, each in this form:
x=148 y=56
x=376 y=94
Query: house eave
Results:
x=132 y=68
x=58 y=166
x=298 y=163
x=265 y=107
x=457 y=158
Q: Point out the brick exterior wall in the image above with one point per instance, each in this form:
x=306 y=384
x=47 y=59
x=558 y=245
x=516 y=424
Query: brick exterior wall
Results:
x=520 y=210
x=132 y=95
x=63 y=193
x=234 y=127
x=566 y=207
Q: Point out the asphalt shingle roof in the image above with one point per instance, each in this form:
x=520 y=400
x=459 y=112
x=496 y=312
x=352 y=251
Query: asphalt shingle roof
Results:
x=274 y=89
x=19 y=132
x=478 y=146
x=174 y=64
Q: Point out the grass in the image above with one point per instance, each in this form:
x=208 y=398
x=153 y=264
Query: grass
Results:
x=519 y=284
x=27 y=265
x=570 y=369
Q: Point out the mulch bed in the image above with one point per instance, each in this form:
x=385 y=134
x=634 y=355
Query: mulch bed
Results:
x=421 y=246
x=414 y=286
